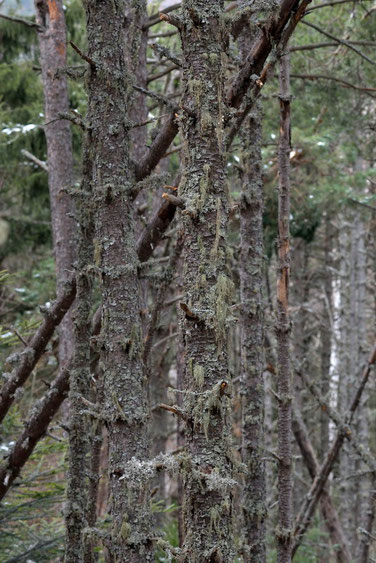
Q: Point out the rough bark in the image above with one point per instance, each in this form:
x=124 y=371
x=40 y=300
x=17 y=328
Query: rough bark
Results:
x=252 y=336
x=283 y=534
x=269 y=35
x=28 y=358
x=80 y=375
x=125 y=409
x=45 y=409
x=52 y=45
x=207 y=289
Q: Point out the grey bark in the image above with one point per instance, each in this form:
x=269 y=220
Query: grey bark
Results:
x=207 y=289
x=252 y=336
x=283 y=533
x=125 y=408
x=80 y=376
x=46 y=408
x=363 y=420
x=52 y=45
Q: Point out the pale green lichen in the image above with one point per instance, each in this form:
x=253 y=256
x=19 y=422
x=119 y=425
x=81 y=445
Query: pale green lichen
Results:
x=125 y=530
x=196 y=89
x=224 y=290
x=97 y=253
x=218 y=224
x=215 y=518
x=204 y=186
x=199 y=375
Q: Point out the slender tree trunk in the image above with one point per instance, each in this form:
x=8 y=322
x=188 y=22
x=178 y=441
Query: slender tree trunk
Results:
x=326 y=334
x=52 y=45
x=252 y=336
x=363 y=419
x=207 y=289
x=80 y=379
x=125 y=409
x=283 y=324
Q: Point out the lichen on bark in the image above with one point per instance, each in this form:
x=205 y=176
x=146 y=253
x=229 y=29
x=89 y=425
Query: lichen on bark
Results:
x=207 y=288
x=125 y=408
x=252 y=337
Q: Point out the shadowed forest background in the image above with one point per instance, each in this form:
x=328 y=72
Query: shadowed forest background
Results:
x=187 y=281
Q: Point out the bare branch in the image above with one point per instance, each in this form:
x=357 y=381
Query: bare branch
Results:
x=27 y=360
x=23 y=21
x=155 y=18
x=82 y=55
x=42 y=164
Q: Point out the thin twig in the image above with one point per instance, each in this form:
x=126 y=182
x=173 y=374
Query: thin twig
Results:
x=175 y=410
x=340 y=41
x=82 y=55
x=335 y=79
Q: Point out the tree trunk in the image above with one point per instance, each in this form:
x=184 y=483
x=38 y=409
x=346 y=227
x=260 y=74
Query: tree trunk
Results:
x=207 y=289
x=80 y=376
x=252 y=337
x=52 y=46
x=283 y=325
x=125 y=409
x=326 y=334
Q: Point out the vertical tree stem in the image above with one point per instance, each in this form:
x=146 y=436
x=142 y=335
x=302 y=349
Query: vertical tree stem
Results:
x=79 y=377
x=283 y=322
x=207 y=289
x=125 y=407
x=252 y=333
x=52 y=44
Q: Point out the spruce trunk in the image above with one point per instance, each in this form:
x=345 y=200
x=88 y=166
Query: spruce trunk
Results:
x=207 y=289
x=252 y=334
x=283 y=324
x=125 y=408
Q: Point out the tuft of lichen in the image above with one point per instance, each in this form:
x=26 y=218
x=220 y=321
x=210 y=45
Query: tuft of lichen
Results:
x=199 y=375
x=224 y=290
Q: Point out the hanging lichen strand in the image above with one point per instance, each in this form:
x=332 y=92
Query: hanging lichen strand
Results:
x=283 y=533
x=208 y=288
x=124 y=409
x=252 y=335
